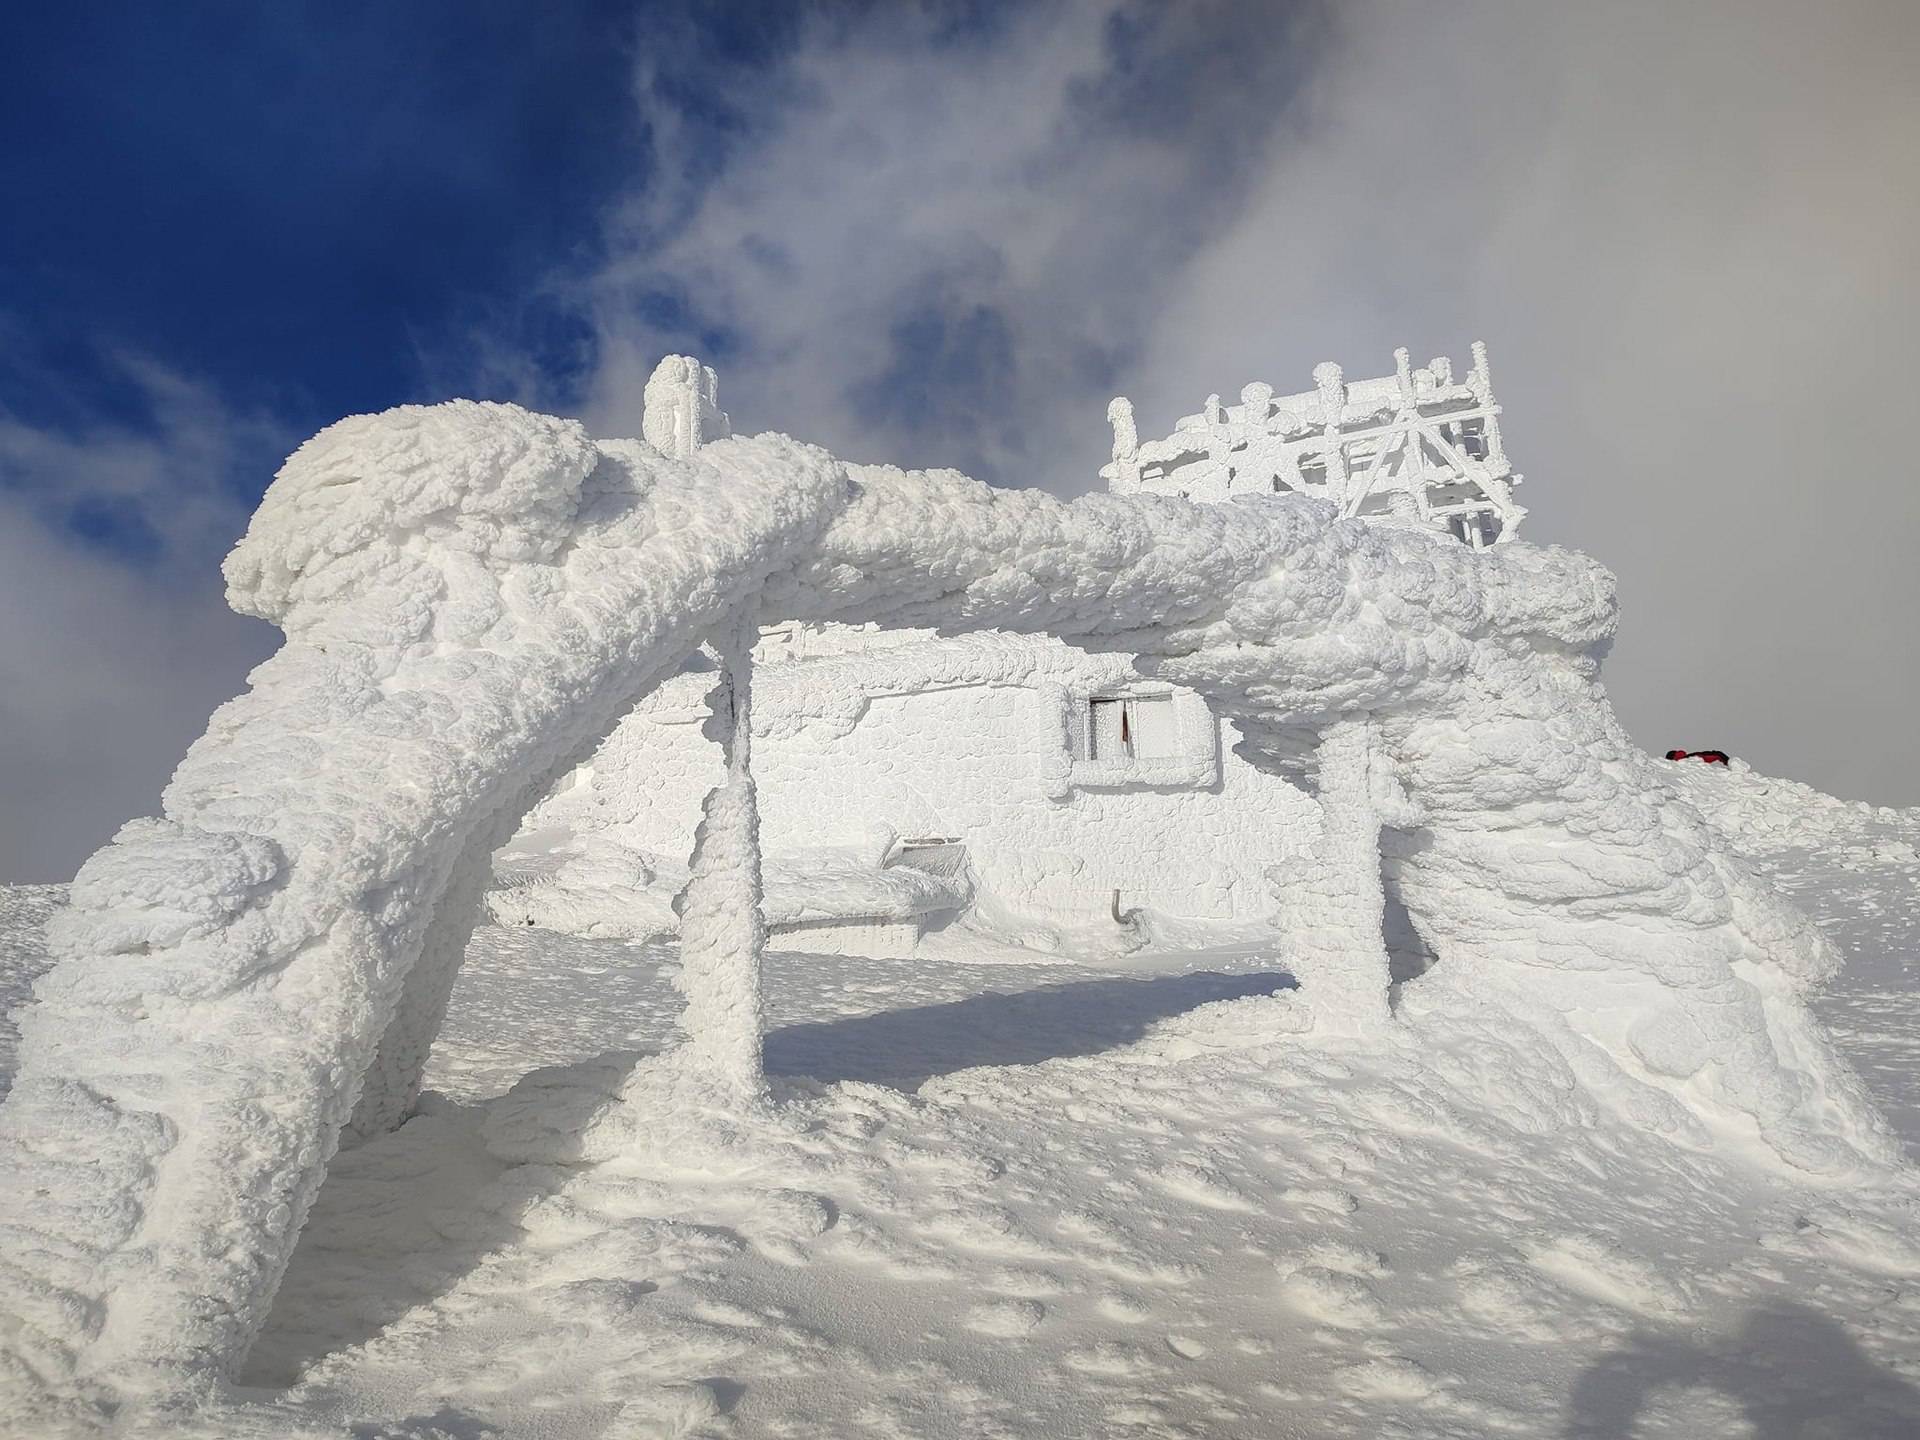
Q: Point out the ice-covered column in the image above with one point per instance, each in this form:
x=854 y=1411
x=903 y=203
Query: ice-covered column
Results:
x=722 y=934
x=1336 y=465
x=1480 y=380
x=682 y=407
x=1126 y=447
x=1332 y=903
x=1403 y=374
x=1256 y=400
x=1403 y=490
x=1330 y=381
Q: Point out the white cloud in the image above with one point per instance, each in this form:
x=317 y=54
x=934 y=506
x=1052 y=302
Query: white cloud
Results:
x=108 y=670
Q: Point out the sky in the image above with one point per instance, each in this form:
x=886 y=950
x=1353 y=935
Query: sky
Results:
x=947 y=235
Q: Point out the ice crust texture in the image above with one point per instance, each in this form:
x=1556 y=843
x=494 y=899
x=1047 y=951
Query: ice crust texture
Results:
x=473 y=595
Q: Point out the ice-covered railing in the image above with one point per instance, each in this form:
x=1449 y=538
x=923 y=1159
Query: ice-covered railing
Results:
x=473 y=594
x=1415 y=445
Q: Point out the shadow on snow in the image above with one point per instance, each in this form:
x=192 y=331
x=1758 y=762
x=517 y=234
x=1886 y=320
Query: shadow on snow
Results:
x=906 y=1048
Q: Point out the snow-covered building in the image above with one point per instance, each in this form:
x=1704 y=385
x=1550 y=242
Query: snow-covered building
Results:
x=905 y=778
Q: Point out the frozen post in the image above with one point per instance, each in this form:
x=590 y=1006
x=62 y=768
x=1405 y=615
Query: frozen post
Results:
x=1332 y=902
x=1126 y=446
x=1330 y=381
x=1256 y=400
x=722 y=934
x=1336 y=464
x=1482 y=382
x=681 y=407
x=1403 y=374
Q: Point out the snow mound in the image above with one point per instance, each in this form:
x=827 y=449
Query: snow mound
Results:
x=1757 y=815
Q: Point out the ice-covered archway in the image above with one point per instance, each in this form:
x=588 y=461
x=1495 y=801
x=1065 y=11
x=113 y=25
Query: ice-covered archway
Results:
x=473 y=594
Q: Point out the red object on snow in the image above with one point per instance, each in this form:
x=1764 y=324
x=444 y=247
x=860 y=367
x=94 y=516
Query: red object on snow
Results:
x=1707 y=757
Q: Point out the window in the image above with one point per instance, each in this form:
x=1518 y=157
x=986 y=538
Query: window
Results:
x=1119 y=729
x=1121 y=742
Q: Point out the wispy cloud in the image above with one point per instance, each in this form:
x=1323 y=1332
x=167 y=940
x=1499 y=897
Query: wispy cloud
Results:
x=117 y=641
x=937 y=244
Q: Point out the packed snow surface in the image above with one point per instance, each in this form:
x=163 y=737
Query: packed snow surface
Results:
x=1018 y=1197
x=1611 y=1076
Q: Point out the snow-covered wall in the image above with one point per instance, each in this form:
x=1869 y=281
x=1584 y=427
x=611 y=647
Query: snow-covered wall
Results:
x=977 y=738
x=473 y=594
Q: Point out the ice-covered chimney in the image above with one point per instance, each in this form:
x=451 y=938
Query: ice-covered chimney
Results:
x=682 y=410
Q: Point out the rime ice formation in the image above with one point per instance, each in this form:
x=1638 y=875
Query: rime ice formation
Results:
x=1414 y=445
x=472 y=597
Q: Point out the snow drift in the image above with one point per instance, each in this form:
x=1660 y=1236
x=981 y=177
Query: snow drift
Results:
x=472 y=596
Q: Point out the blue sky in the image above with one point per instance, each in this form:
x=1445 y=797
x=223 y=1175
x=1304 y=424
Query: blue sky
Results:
x=947 y=234
x=288 y=202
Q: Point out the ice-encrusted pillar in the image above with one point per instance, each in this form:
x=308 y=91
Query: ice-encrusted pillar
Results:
x=1126 y=447
x=722 y=934
x=1332 y=901
x=1480 y=381
x=681 y=407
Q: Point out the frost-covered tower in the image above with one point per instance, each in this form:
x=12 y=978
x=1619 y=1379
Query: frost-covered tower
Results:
x=1416 y=445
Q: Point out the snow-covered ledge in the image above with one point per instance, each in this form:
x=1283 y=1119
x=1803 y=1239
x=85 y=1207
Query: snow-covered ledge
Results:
x=473 y=594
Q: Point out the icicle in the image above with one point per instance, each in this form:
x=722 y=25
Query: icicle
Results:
x=722 y=935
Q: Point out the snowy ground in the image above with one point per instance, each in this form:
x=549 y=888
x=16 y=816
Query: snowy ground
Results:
x=1005 y=1197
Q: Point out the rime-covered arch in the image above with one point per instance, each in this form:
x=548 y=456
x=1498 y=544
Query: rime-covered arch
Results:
x=473 y=594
